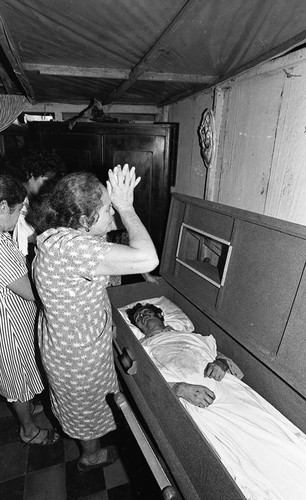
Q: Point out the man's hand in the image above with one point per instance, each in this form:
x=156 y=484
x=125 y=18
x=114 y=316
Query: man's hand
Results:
x=216 y=370
x=197 y=395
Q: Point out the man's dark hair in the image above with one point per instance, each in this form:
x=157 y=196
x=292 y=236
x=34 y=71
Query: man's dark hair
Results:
x=34 y=163
x=131 y=312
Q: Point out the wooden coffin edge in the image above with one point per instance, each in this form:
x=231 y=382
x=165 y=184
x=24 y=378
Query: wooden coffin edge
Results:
x=193 y=463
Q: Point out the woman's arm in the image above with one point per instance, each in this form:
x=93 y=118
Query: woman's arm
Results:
x=22 y=287
x=150 y=277
x=139 y=256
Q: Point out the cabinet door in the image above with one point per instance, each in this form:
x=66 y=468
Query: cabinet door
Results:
x=152 y=196
x=78 y=151
x=13 y=141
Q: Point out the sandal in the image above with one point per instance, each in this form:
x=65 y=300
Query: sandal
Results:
x=49 y=438
x=111 y=456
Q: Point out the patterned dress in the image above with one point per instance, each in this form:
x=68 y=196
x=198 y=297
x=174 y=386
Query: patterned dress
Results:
x=75 y=330
x=19 y=376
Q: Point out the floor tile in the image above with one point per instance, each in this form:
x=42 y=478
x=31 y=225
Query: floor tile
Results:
x=141 y=480
x=41 y=457
x=49 y=472
x=13 y=489
x=13 y=460
x=115 y=474
x=72 y=451
x=82 y=485
x=123 y=492
x=101 y=495
x=4 y=409
x=8 y=430
x=46 y=484
x=144 y=488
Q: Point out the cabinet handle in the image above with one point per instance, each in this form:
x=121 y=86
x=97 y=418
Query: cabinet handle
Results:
x=126 y=359
x=167 y=489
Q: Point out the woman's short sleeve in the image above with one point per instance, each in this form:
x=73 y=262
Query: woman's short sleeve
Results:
x=12 y=262
x=85 y=253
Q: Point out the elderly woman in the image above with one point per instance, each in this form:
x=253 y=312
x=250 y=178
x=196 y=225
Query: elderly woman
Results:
x=71 y=272
x=20 y=380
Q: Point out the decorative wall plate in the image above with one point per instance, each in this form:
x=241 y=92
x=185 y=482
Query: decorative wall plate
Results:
x=207 y=136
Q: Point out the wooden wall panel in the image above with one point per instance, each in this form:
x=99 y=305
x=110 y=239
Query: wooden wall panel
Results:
x=286 y=197
x=263 y=276
x=292 y=349
x=184 y=115
x=250 y=117
x=218 y=225
x=198 y=171
x=191 y=173
x=260 y=122
x=196 y=288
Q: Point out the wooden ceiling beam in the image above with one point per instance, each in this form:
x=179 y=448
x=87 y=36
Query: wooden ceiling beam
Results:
x=177 y=77
x=113 y=73
x=78 y=71
x=156 y=50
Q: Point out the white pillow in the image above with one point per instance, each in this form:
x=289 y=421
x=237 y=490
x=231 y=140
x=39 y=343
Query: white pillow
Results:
x=173 y=315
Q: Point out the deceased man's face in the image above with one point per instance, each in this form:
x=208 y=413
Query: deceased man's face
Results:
x=148 y=320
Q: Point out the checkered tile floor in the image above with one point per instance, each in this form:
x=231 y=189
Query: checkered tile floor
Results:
x=50 y=473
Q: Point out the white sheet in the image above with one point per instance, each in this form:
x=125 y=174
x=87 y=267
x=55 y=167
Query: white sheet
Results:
x=264 y=452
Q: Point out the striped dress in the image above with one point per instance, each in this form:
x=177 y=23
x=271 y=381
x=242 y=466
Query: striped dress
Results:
x=19 y=376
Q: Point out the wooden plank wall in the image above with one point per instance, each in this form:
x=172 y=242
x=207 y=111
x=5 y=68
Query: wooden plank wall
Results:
x=191 y=173
x=262 y=144
x=247 y=136
x=261 y=141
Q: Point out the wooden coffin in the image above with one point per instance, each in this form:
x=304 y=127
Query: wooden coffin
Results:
x=239 y=276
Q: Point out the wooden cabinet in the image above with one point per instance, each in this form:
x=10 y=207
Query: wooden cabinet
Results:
x=97 y=147
x=13 y=140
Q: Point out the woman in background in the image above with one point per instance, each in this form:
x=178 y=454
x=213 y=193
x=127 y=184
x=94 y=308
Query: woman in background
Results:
x=35 y=169
x=71 y=271
x=20 y=380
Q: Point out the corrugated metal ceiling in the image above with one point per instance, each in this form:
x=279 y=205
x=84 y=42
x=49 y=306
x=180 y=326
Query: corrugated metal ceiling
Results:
x=138 y=51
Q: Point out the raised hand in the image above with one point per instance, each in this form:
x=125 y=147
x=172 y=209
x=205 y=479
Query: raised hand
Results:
x=120 y=186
